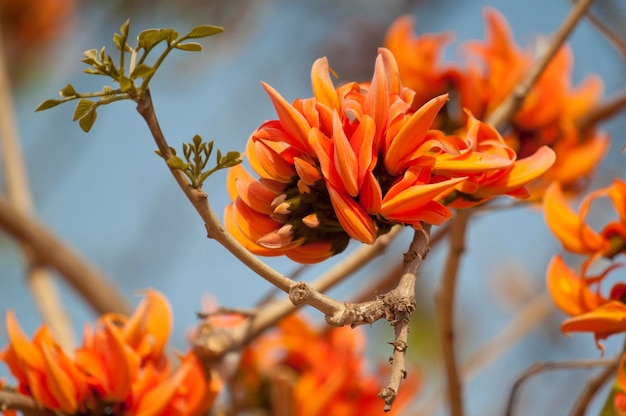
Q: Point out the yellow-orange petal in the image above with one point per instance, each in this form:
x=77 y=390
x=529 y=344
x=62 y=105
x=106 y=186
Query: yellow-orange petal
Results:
x=155 y=401
x=231 y=225
x=294 y=123
x=376 y=103
x=575 y=235
x=371 y=196
x=605 y=320
x=353 y=218
x=410 y=136
x=574 y=162
x=121 y=363
x=521 y=173
x=148 y=329
x=59 y=383
x=27 y=354
x=273 y=163
x=414 y=197
x=311 y=253
x=323 y=88
x=306 y=171
x=569 y=290
x=344 y=158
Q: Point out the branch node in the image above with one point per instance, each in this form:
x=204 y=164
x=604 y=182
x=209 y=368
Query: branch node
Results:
x=299 y=293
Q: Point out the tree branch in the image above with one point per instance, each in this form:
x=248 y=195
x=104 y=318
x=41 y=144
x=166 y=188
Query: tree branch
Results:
x=445 y=307
x=538 y=368
x=10 y=400
x=50 y=250
x=212 y=343
x=603 y=111
x=505 y=111
x=40 y=282
x=595 y=384
x=606 y=31
x=400 y=311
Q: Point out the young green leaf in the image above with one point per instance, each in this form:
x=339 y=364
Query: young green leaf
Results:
x=125 y=83
x=48 y=104
x=141 y=71
x=204 y=31
x=68 y=91
x=87 y=121
x=176 y=162
x=82 y=108
x=189 y=46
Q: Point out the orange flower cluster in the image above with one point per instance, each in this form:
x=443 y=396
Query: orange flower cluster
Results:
x=550 y=115
x=312 y=373
x=575 y=294
x=121 y=367
x=353 y=160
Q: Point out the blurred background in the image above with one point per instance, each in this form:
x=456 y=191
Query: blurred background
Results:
x=109 y=196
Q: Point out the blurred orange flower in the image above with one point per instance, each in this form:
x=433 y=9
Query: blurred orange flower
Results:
x=575 y=233
x=121 y=366
x=619 y=400
x=316 y=372
x=590 y=311
x=550 y=114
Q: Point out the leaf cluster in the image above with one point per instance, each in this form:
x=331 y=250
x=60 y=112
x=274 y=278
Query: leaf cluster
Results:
x=197 y=154
x=132 y=78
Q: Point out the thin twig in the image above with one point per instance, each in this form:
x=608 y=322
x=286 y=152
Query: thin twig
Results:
x=525 y=320
x=594 y=385
x=99 y=291
x=400 y=310
x=607 y=32
x=445 y=306
x=603 y=111
x=40 y=282
x=505 y=111
x=25 y=404
x=213 y=343
x=538 y=368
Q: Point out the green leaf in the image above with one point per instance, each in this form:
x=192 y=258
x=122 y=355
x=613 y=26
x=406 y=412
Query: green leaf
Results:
x=48 y=104
x=176 y=162
x=82 y=108
x=124 y=28
x=87 y=121
x=189 y=46
x=118 y=41
x=204 y=31
x=141 y=71
x=149 y=38
x=68 y=91
x=125 y=83
x=91 y=57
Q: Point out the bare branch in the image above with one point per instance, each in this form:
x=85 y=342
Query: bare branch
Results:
x=213 y=343
x=400 y=311
x=538 y=368
x=50 y=250
x=603 y=111
x=40 y=282
x=505 y=111
x=607 y=32
x=594 y=385
x=445 y=307
x=10 y=400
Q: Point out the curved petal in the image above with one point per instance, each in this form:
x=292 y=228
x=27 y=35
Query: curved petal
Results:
x=323 y=88
x=569 y=290
x=575 y=235
x=415 y=197
x=294 y=123
x=344 y=159
x=411 y=135
x=353 y=218
x=59 y=383
x=231 y=225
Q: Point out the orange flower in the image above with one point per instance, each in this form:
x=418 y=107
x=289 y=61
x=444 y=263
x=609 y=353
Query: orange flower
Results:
x=120 y=366
x=590 y=311
x=491 y=166
x=327 y=366
x=549 y=115
x=347 y=163
x=417 y=58
x=572 y=229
